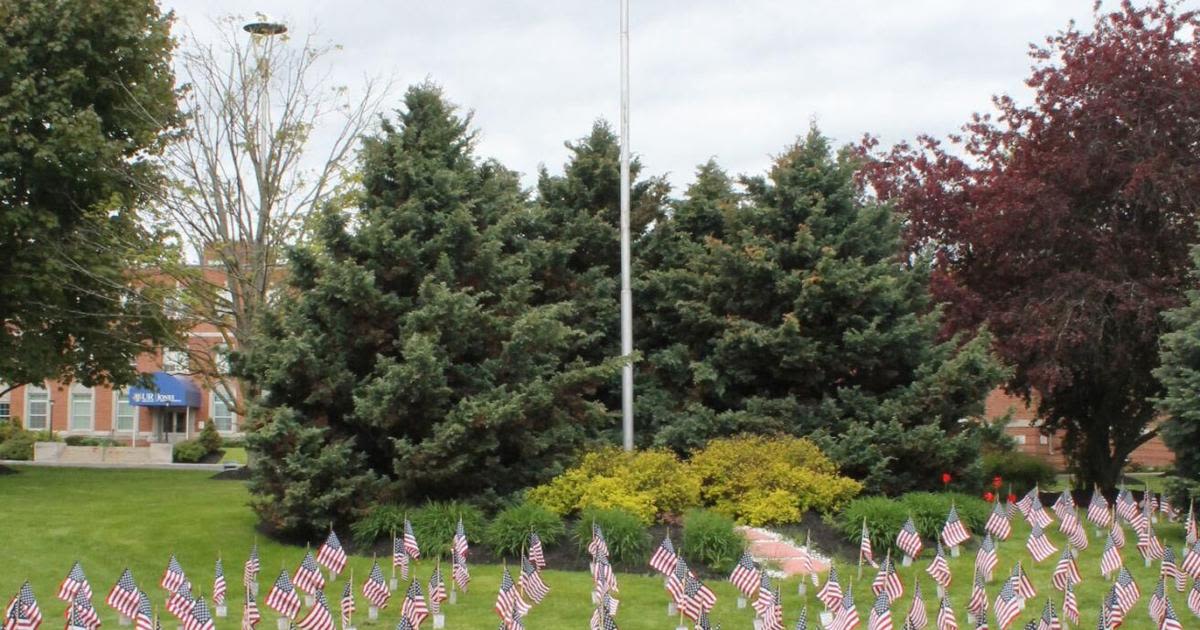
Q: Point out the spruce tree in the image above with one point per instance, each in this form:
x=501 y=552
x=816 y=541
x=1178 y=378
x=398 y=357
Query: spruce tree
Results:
x=413 y=354
x=790 y=310
x=1179 y=373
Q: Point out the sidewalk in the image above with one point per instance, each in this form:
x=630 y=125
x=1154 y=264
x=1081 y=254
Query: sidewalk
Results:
x=781 y=554
x=201 y=467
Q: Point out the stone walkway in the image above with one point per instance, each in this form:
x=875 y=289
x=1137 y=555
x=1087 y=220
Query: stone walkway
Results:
x=783 y=556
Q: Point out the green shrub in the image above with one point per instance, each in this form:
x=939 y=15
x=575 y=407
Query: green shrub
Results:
x=189 y=452
x=627 y=538
x=884 y=518
x=209 y=437
x=710 y=540
x=18 y=447
x=76 y=440
x=379 y=522
x=1181 y=492
x=1019 y=470
x=929 y=511
x=649 y=484
x=508 y=533
x=769 y=480
x=11 y=427
x=434 y=525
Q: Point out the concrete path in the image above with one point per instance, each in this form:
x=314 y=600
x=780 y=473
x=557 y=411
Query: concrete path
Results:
x=783 y=555
x=202 y=467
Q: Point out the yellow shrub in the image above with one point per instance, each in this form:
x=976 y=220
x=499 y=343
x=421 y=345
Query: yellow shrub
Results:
x=760 y=480
x=645 y=483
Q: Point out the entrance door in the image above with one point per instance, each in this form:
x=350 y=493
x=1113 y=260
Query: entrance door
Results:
x=172 y=425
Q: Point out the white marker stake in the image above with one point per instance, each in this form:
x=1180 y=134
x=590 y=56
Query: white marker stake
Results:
x=954 y=551
x=124 y=621
x=906 y=562
x=309 y=600
x=222 y=611
x=802 y=587
x=672 y=609
x=439 y=621
x=453 y=597
x=741 y=602
x=395 y=583
x=283 y=623
x=372 y=613
x=826 y=619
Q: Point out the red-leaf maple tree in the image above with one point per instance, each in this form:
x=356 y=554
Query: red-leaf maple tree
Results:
x=1064 y=225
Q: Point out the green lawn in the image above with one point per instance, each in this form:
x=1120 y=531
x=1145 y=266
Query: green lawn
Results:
x=233 y=455
x=112 y=518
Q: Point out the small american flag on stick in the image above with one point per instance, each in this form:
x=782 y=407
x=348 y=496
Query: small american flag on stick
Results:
x=200 y=617
x=75 y=582
x=831 y=593
x=1008 y=606
x=347 y=602
x=251 y=568
x=986 y=559
x=954 y=533
x=282 y=597
x=250 y=614
x=663 y=559
x=173 y=576
x=143 y=616
x=1066 y=571
x=939 y=569
x=1039 y=544
x=218 y=593
x=331 y=555
x=414 y=608
x=909 y=540
x=437 y=590
x=375 y=589
x=998 y=523
x=745 y=575
x=308 y=575
x=531 y=583
x=536 y=554
x=124 y=595
x=319 y=617
x=1098 y=510
x=410 y=541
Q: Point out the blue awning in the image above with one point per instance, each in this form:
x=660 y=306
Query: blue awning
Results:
x=167 y=391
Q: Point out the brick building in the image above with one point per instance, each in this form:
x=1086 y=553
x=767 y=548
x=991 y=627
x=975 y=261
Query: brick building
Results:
x=1031 y=440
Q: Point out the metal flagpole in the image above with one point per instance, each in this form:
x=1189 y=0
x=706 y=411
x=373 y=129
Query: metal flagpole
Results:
x=626 y=290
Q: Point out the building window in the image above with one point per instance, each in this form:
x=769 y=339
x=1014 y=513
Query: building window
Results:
x=1020 y=439
x=37 y=408
x=1043 y=440
x=81 y=409
x=5 y=404
x=220 y=414
x=175 y=361
x=124 y=412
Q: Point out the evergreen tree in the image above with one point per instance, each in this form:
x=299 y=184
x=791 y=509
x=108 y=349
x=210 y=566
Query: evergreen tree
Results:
x=1179 y=373
x=790 y=310
x=413 y=355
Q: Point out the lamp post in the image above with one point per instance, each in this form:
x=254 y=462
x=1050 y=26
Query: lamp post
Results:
x=626 y=290
x=260 y=36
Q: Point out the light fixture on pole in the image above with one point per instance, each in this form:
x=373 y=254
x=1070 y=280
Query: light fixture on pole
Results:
x=626 y=289
x=261 y=33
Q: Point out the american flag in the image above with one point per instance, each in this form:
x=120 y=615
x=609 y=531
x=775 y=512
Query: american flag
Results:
x=998 y=523
x=181 y=602
x=802 y=622
x=410 y=541
x=1104 y=619
x=1039 y=545
x=597 y=545
x=864 y=547
x=986 y=559
x=1070 y=604
x=939 y=569
x=1170 y=569
x=954 y=533
x=437 y=589
x=508 y=601
x=1193 y=598
x=75 y=582
x=124 y=595
x=537 y=555
x=604 y=579
x=250 y=614
x=1167 y=509
x=981 y=622
x=459 y=544
x=331 y=555
x=531 y=582
x=766 y=593
x=308 y=575
x=1158 y=601
x=745 y=575
x=917 y=617
x=1098 y=510
x=1116 y=615
x=375 y=589
x=978 y=603
x=698 y=598
x=399 y=558
x=887 y=581
x=1036 y=513
x=414 y=608
x=1007 y=607
x=847 y=617
x=458 y=570
x=1170 y=620
x=1074 y=530
x=908 y=540
x=1066 y=571
x=1191 y=562
x=16 y=618
x=1148 y=544
x=143 y=617
x=1127 y=590
x=82 y=611
x=1021 y=582
x=319 y=617
x=1190 y=535
x=218 y=592
x=200 y=617
x=1064 y=503
x=251 y=568
x=678 y=578
x=831 y=593
x=1118 y=535
x=282 y=596
x=347 y=603
x=773 y=618
x=1049 y=619
x=1127 y=508
x=1110 y=560
x=663 y=559
x=601 y=620
x=173 y=576
x=945 y=616
x=881 y=614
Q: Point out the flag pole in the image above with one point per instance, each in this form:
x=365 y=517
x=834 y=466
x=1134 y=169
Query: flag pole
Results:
x=626 y=285
x=860 y=547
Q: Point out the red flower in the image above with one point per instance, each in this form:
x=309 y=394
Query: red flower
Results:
x=996 y=482
x=988 y=496
x=1012 y=498
x=945 y=478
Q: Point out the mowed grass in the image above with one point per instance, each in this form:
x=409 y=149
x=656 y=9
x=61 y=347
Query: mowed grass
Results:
x=110 y=519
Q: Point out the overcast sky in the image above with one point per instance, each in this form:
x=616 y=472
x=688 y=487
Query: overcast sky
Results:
x=731 y=79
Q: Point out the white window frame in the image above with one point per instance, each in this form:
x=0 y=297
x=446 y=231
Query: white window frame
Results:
x=80 y=390
x=30 y=390
x=1019 y=439
x=213 y=400
x=175 y=361
x=118 y=396
x=6 y=399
